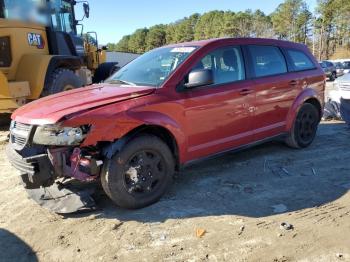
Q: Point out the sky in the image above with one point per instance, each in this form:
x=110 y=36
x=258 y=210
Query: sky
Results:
x=112 y=19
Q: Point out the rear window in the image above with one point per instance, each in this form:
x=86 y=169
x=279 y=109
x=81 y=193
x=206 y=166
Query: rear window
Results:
x=267 y=60
x=300 y=61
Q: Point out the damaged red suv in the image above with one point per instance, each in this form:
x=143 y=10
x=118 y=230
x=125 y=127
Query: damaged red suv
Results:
x=167 y=108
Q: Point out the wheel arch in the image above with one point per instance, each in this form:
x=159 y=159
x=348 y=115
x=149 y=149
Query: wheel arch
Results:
x=159 y=131
x=315 y=103
x=308 y=95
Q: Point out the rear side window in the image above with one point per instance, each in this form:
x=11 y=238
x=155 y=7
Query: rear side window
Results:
x=300 y=61
x=267 y=60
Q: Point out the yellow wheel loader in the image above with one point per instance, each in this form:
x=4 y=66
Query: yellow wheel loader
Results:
x=41 y=52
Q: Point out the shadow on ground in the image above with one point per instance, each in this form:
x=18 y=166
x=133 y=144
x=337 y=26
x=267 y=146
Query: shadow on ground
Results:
x=258 y=182
x=12 y=248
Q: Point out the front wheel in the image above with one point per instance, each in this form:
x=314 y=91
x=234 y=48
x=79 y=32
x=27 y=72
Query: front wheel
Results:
x=140 y=173
x=305 y=127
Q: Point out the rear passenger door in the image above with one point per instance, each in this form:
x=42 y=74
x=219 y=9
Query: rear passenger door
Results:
x=275 y=89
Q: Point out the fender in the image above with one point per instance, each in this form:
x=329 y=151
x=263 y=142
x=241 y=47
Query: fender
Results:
x=38 y=75
x=306 y=94
x=166 y=122
x=113 y=128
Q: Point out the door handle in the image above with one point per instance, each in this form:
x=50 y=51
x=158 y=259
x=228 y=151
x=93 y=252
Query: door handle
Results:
x=245 y=92
x=293 y=83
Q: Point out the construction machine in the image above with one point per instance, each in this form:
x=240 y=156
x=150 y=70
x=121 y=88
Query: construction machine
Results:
x=42 y=53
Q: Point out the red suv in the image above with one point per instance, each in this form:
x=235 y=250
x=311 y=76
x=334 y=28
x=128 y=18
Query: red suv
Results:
x=169 y=107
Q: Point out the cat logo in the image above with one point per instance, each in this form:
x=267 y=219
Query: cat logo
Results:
x=36 y=40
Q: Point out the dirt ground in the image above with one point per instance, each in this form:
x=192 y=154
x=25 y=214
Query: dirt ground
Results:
x=239 y=199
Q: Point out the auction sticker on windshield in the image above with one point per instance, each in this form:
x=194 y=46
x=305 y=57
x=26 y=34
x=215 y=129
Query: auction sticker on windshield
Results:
x=185 y=49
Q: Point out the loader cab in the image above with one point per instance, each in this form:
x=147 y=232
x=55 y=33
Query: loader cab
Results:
x=62 y=28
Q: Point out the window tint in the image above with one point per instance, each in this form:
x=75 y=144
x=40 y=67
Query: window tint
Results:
x=226 y=64
x=267 y=60
x=300 y=61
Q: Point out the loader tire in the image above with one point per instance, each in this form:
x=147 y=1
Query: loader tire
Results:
x=61 y=80
x=104 y=71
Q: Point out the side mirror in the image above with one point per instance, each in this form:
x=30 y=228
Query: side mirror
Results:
x=200 y=77
x=86 y=10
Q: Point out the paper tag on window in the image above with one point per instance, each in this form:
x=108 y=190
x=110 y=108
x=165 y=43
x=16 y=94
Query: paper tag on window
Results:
x=184 y=49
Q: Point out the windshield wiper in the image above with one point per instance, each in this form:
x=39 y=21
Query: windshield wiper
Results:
x=118 y=81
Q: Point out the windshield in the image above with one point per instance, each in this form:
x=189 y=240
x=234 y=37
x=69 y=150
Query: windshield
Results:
x=62 y=16
x=23 y=10
x=152 y=68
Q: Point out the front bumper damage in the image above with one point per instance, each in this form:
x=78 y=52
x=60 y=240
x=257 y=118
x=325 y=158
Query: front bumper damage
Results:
x=51 y=175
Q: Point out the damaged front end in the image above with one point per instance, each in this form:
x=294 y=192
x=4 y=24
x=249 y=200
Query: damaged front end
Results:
x=51 y=163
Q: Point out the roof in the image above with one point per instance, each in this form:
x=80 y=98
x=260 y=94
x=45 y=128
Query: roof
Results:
x=249 y=40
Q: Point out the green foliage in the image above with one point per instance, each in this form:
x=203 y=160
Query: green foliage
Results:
x=323 y=32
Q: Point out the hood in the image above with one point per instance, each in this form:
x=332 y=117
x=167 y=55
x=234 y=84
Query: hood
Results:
x=51 y=109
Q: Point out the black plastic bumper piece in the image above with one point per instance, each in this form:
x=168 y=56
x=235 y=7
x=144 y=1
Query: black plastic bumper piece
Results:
x=35 y=170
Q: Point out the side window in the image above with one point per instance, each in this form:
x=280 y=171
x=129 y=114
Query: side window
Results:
x=267 y=60
x=300 y=61
x=226 y=64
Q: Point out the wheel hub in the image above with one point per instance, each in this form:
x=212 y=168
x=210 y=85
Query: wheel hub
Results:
x=307 y=126
x=144 y=171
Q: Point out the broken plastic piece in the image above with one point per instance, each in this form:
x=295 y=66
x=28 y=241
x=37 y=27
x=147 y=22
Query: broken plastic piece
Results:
x=63 y=199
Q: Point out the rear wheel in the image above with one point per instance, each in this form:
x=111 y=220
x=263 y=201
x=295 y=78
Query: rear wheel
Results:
x=60 y=80
x=305 y=127
x=140 y=173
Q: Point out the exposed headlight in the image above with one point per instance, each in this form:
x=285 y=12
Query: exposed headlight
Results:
x=56 y=135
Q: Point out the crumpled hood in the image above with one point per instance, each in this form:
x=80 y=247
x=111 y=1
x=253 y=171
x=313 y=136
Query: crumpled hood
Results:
x=51 y=109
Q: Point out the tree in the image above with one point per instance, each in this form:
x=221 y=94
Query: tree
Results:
x=123 y=44
x=326 y=31
x=137 y=41
x=291 y=20
x=156 y=37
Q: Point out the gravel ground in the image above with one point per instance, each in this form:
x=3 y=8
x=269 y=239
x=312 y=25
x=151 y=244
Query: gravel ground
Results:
x=226 y=209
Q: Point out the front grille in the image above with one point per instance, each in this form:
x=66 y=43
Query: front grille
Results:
x=5 y=52
x=20 y=134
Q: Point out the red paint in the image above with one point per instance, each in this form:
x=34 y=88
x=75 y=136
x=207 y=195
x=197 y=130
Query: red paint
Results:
x=203 y=121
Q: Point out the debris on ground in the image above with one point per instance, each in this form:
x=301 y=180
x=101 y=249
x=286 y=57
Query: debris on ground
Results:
x=339 y=255
x=286 y=226
x=285 y=171
x=313 y=171
x=241 y=229
x=200 y=232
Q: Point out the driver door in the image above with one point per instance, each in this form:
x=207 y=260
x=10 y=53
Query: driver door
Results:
x=219 y=116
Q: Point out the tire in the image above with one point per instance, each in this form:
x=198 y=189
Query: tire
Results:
x=140 y=173
x=304 y=127
x=61 y=80
x=104 y=71
x=333 y=76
